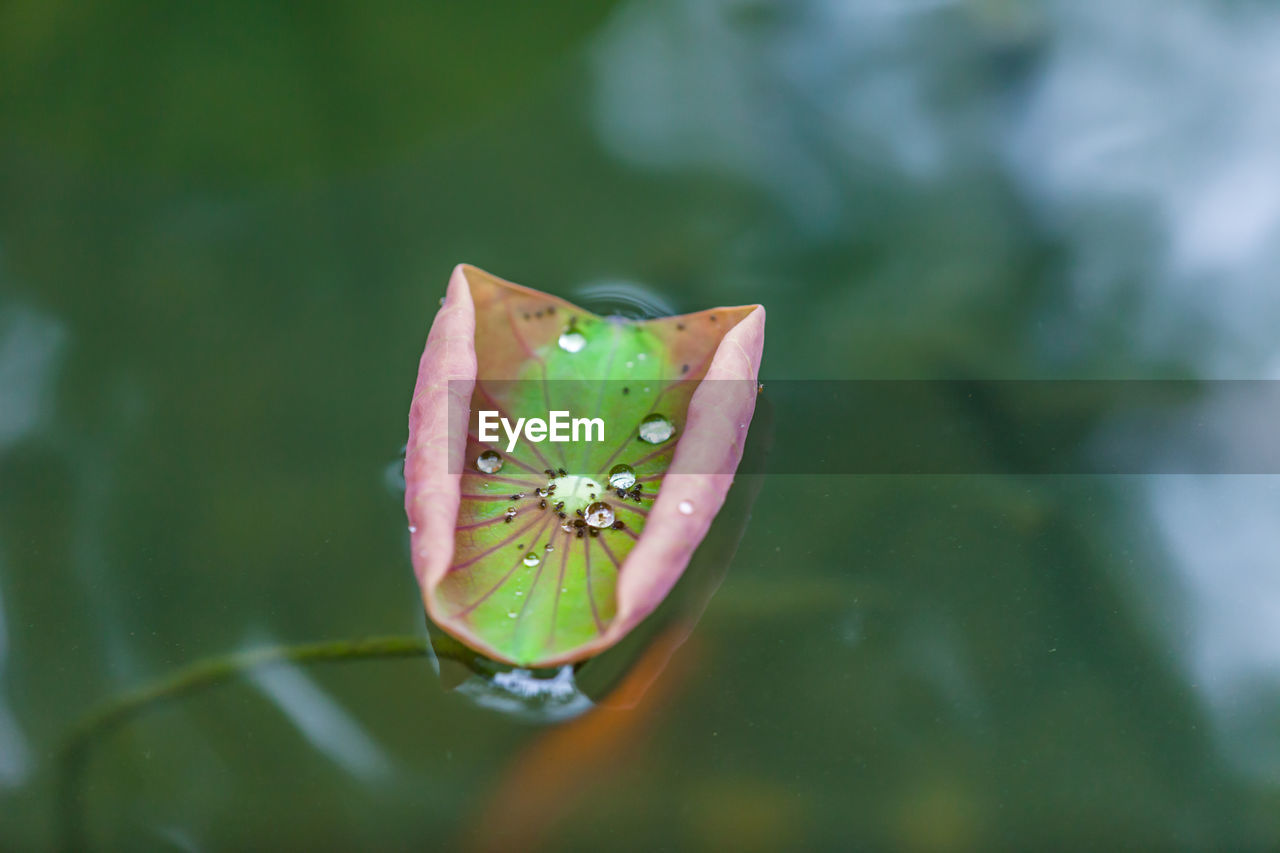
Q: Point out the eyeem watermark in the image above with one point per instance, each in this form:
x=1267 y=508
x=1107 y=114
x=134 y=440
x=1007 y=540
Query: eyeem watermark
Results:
x=558 y=427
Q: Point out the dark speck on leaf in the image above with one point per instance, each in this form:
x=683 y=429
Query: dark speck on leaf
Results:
x=579 y=534
x=684 y=368
x=713 y=318
x=618 y=525
x=551 y=309
x=679 y=327
x=626 y=390
x=563 y=473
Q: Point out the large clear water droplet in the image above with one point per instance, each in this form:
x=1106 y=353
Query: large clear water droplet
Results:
x=490 y=462
x=531 y=559
x=571 y=340
x=656 y=429
x=622 y=476
x=600 y=514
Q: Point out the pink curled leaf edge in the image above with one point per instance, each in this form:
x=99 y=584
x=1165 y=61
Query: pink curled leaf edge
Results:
x=436 y=448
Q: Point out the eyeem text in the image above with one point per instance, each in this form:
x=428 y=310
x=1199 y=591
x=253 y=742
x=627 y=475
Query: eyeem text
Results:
x=558 y=426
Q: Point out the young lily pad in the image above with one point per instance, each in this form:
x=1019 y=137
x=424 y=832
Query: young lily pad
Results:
x=531 y=555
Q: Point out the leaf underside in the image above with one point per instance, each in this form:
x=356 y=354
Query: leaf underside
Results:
x=625 y=370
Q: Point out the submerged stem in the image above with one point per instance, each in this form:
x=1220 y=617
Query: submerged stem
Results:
x=193 y=678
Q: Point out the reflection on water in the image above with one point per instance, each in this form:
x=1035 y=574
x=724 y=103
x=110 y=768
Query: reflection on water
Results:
x=804 y=100
x=30 y=346
x=523 y=694
x=322 y=721
x=1223 y=540
x=197 y=412
x=14 y=755
x=629 y=299
x=1145 y=145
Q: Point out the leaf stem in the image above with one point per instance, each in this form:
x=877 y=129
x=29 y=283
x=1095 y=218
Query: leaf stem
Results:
x=191 y=679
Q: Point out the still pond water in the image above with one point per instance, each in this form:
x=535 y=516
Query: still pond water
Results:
x=223 y=235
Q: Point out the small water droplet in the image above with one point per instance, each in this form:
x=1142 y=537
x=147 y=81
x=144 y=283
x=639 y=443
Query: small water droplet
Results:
x=630 y=364
x=519 y=593
x=412 y=529
x=641 y=356
x=548 y=547
x=511 y=512
x=622 y=477
x=600 y=514
x=531 y=559
x=656 y=429
x=511 y=614
x=490 y=462
x=685 y=507
x=571 y=340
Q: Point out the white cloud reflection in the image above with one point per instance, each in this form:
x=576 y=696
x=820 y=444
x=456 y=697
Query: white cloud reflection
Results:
x=1146 y=139
x=322 y=721
x=1156 y=118
x=15 y=757
x=831 y=89
x=30 y=347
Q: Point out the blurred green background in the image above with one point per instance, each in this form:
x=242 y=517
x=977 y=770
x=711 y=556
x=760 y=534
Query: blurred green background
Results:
x=224 y=229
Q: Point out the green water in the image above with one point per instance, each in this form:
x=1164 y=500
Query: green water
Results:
x=223 y=235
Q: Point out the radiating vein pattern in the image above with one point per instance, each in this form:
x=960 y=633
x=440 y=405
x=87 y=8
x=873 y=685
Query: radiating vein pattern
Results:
x=542 y=533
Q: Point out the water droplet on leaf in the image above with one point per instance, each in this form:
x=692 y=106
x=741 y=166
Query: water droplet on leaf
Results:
x=685 y=507
x=531 y=559
x=622 y=477
x=571 y=340
x=656 y=429
x=490 y=462
x=600 y=514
